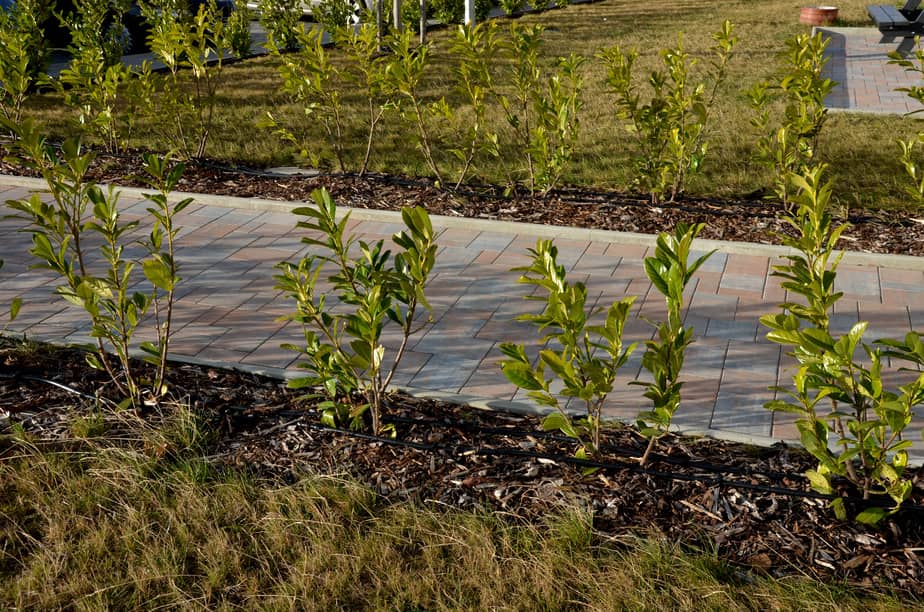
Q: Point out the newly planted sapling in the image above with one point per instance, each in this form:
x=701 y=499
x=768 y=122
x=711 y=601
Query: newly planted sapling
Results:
x=237 y=31
x=847 y=419
x=102 y=279
x=368 y=68
x=476 y=49
x=345 y=353
x=670 y=271
x=405 y=75
x=543 y=109
x=59 y=231
x=583 y=357
x=671 y=127
x=181 y=102
x=311 y=79
x=790 y=145
x=910 y=158
x=160 y=268
x=282 y=21
x=94 y=79
x=22 y=55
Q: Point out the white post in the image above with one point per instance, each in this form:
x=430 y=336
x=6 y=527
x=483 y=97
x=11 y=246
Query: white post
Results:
x=396 y=14
x=470 y=12
x=423 y=21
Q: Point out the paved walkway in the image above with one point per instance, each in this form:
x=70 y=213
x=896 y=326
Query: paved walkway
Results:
x=228 y=309
x=866 y=81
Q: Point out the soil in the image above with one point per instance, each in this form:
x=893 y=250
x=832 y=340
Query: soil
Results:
x=751 y=505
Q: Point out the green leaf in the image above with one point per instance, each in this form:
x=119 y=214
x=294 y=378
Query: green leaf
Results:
x=556 y=421
x=521 y=375
x=819 y=482
x=15 y=306
x=872 y=516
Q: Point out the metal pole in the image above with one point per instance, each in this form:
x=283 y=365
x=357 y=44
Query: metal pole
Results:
x=470 y=12
x=396 y=15
x=423 y=21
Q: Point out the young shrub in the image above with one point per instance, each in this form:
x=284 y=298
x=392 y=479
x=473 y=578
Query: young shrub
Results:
x=237 y=31
x=181 y=102
x=543 y=112
x=909 y=159
x=368 y=72
x=512 y=7
x=344 y=352
x=405 y=75
x=27 y=19
x=584 y=358
x=791 y=147
x=476 y=52
x=310 y=78
x=333 y=15
x=670 y=272
x=671 y=127
x=860 y=436
x=160 y=268
x=22 y=55
x=93 y=80
x=82 y=214
x=282 y=21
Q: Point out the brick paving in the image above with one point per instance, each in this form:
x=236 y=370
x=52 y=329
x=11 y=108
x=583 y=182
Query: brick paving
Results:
x=858 y=62
x=228 y=311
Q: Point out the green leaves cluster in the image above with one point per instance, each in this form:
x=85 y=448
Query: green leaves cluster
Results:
x=343 y=345
x=582 y=357
x=95 y=78
x=908 y=158
x=15 y=304
x=104 y=285
x=789 y=144
x=543 y=108
x=23 y=54
x=282 y=21
x=671 y=126
x=181 y=102
x=476 y=49
x=670 y=271
x=847 y=419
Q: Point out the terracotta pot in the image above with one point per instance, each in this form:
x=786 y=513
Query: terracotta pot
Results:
x=818 y=15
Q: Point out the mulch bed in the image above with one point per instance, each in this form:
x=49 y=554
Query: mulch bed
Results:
x=752 y=505
x=749 y=219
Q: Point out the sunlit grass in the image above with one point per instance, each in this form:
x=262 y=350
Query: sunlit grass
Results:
x=860 y=148
x=135 y=527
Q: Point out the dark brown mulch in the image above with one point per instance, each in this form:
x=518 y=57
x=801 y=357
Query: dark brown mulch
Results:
x=750 y=504
x=752 y=219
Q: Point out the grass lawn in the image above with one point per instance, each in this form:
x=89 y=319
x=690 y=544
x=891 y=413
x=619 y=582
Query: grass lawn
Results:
x=144 y=522
x=861 y=148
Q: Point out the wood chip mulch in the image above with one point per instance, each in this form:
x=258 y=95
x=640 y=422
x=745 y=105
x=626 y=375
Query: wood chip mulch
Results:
x=751 y=505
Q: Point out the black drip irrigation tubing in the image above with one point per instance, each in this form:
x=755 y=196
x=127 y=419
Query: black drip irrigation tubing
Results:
x=22 y=376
